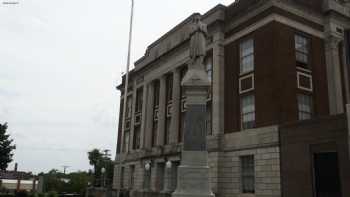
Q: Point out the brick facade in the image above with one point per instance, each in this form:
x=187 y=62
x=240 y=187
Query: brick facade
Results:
x=273 y=26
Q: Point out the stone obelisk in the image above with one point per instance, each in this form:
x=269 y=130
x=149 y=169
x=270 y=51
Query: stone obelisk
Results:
x=193 y=172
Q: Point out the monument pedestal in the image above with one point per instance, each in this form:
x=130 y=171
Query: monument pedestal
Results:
x=193 y=175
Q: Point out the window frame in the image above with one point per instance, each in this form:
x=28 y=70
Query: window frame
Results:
x=137 y=138
x=247 y=175
x=251 y=75
x=311 y=112
x=241 y=57
x=139 y=100
x=300 y=63
x=305 y=75
x=243 y=114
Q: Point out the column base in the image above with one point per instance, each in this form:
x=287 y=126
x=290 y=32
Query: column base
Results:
x=193 y=176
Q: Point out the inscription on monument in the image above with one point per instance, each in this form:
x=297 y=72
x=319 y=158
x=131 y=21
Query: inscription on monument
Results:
x=195 y=133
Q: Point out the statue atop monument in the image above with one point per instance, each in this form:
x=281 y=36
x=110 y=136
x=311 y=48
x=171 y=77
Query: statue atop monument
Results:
x=198 y=41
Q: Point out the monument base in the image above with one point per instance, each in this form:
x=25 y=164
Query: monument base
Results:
x=193 y=175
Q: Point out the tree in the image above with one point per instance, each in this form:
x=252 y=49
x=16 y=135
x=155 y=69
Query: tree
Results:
x=72 y=183
x=101 y=160
x=95 y=159
x=6 y=147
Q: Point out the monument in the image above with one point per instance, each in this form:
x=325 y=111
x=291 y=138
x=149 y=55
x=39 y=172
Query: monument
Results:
x=193 y=172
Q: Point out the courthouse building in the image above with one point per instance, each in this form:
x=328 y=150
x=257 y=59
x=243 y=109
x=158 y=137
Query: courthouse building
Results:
x=277 y=121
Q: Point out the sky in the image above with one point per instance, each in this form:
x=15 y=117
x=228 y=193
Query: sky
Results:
x=60 y=61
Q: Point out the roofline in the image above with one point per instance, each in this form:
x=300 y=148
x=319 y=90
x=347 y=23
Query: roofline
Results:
x=178 y=26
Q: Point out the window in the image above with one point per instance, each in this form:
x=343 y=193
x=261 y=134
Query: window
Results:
x=156 y=93
x=208 y=124
x=247 y=174
x=155 y=113
x=302 y=50
x=169 y=88
x=248 y=112
x=167 y=130
x=160 y=171
x=347 y=46
x=154 y=133
x=137 y=138
x=304 y=81
x=132 y=176
x=304 y=106
x=246 y=83
x=139 y=100
x=247 y=56
x=122 y=177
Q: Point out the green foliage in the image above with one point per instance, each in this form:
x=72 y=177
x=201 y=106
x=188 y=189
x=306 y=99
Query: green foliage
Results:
x=99 y=160
x=6 y=147
x=57 y=182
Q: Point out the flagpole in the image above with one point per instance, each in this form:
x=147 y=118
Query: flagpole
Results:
x=127 y=72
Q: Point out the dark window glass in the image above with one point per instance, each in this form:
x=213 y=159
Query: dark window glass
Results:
x=347 y=46
x=167 y=130
x=169 y=88
x=305 y=108
x=248 y=174
x=156 y=93
x=132 y=176
x=305 y=81
x=139 y=100
x=247 y=56
x=246 y=83
x=137 y=138
x=154 y=133
x=122 y=177
x=209 y=118
x=248 y=112
x=302 y=50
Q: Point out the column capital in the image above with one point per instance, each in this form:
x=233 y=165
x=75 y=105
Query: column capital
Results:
x=333 y=40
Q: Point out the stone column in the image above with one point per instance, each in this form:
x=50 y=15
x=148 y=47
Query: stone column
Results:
x=174 y=125
x=346 y=72
x=335 y=93
x=218 y=84
x=193 y=173
x=132 y=125
x=143 y=123
x=149 y=116
x=162 y=111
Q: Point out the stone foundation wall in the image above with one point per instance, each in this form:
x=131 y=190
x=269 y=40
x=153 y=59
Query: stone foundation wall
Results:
x=213 y=159
x=267 y=172
x=225 y=165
